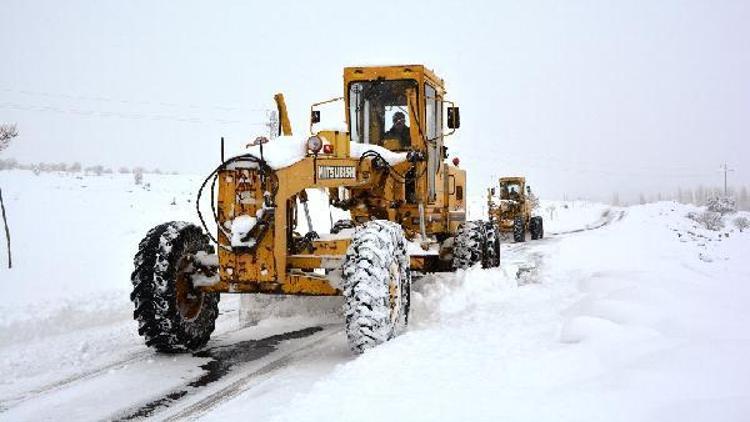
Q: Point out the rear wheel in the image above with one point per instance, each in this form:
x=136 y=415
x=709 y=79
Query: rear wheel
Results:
x=536 y=227
x=519 y=230
x=377 y=285
x=468 y=246
x=172 y=315
x=491 y=257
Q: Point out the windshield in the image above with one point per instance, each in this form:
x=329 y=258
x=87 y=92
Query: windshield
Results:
x=379 y=113
x=510 y=190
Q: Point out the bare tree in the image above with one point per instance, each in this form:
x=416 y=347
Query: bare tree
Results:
x=741 y=223
x=7 y=132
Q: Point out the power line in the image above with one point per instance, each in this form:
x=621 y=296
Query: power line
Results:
x=122 y=115
x=99 y=98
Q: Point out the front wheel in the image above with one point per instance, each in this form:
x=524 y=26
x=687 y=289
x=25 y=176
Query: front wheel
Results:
x=377 y=285
x=172 y=315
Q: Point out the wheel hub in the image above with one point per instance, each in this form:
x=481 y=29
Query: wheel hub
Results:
x=189 y=300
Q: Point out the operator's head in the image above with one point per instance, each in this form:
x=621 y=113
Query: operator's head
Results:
x=399 y=119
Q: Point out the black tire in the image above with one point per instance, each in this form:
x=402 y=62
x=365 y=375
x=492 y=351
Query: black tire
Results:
x=172 y=316
x=491 y=257
x=377 y=285
x=536 y=227
x=468 y=245
x=519 y=230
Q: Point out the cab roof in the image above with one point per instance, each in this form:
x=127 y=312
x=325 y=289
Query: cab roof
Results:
x=394 y=72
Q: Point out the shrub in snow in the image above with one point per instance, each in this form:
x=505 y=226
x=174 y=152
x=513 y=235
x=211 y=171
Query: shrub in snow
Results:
x=533 y=201
x=138 y=175
x=722 y=205
x=741 y=223
x=709 y=219
x=96 y=170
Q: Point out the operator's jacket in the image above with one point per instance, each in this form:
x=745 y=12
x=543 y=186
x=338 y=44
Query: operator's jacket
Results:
x=401 y=134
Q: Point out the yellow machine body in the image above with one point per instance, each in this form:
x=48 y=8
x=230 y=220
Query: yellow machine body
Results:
x=504 y=206
x=424 y=194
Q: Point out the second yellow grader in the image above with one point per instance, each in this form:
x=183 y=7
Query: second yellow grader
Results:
x=511 y=209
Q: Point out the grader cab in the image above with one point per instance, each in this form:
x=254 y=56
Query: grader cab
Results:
x=389 y=170
x=510 y=209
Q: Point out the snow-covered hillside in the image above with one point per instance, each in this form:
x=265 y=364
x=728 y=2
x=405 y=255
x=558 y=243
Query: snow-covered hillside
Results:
x=618 y=314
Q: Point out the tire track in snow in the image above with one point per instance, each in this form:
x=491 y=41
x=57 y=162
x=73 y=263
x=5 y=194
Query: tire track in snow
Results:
x=169 y=406
x=248 y=381
x=527 y=263
x=71 y=380
x=608 y=217
x=89 y=374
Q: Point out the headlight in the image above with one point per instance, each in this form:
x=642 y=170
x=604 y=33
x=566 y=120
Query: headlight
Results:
x=314 y=144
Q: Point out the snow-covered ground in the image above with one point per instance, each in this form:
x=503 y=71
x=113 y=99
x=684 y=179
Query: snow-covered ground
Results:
x=624 y=314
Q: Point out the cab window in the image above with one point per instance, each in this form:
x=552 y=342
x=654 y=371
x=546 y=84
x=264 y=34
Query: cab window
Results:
x=379 y=113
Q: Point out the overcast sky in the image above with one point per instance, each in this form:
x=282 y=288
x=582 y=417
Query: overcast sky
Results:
x=584 y=98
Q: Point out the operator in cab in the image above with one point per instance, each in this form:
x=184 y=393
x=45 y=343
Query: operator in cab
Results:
x=514 y=194
x=399 y=130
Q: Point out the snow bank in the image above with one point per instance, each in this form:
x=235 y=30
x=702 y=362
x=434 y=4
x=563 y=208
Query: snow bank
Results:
x=559 y=216
x=621 y=323
x=568 y=216
x=74 y=237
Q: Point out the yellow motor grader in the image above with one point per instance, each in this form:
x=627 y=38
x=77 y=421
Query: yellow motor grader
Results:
x=511 y=208
x=387 y=168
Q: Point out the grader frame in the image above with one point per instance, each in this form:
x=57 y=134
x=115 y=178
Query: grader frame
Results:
x=273 y=267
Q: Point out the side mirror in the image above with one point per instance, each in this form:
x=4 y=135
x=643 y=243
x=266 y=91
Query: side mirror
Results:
x=454 y=118
x=315 y=116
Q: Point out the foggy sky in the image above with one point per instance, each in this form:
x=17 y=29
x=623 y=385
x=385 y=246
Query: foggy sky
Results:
x=585 y=98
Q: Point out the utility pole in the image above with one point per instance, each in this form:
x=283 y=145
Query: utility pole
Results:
x=273 y=124
x=726 y=170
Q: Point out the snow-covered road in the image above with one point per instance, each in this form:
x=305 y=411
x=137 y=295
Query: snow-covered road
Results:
x=619 y=314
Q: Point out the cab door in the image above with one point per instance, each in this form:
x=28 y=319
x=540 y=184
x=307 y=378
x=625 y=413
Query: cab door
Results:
x=434 y=135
